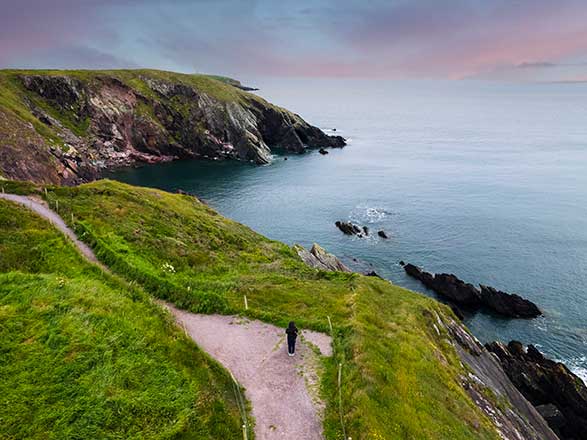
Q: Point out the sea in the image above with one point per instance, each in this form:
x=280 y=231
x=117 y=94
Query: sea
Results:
x=486 y=180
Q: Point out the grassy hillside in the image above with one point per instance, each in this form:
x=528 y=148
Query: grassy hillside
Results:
x=401 y=379
x=85 y=355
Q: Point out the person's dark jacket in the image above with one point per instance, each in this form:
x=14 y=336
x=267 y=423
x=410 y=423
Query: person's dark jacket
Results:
x=292 y=332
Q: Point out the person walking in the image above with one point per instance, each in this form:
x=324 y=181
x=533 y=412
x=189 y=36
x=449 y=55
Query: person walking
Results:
x=292 y=334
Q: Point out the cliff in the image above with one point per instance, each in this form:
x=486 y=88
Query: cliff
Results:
x=66 y=126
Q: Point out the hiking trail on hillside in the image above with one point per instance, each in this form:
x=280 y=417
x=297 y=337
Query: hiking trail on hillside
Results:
x=283 y=390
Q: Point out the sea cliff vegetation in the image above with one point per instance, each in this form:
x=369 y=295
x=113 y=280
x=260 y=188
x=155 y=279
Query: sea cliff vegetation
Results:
x=401 y=375
x=85 y=354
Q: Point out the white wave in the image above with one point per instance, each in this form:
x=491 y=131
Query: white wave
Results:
x=370 y=215
x=578 y=366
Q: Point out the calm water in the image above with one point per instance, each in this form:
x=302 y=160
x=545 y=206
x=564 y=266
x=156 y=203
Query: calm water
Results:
x=487 y=181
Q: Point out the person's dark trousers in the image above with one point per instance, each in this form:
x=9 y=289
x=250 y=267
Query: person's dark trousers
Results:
x=291 y=346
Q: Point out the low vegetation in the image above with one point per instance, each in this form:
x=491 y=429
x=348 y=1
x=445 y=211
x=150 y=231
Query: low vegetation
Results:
x=400 y=378
x=87 y=355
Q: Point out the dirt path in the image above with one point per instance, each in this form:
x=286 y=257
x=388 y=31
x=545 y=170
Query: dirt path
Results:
x=41 y=208
x=283 y=390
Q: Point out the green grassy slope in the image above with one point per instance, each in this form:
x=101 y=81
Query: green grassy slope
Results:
x=400 y=378
x=85 y=355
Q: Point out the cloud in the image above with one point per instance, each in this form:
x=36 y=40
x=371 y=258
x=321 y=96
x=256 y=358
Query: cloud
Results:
x=74 y=57
x=536 y=64
x=379 y=38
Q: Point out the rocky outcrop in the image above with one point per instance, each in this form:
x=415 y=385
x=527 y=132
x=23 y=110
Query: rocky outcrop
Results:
x=558 y=394
x=508 y=304
x=318 y=258
x=464 y=294
x=81 y=124
x=348 y=228
x=489 y=386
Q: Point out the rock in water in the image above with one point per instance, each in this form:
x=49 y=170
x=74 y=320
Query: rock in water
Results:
x=382 y=234
x=508 y=304
x=348 y=228
x=456 y=290
x=464 y=294
x=558 y=394
x=322 y=151
x=318 y=258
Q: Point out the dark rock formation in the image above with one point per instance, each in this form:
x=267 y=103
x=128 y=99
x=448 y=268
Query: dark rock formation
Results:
x=488 y=385
x=322 y=151
x=348 y=228
x=373 y=274
x=318 y=258
x=465 y=294
x=456 y=290
x=457 y=311
x=559 y=395
x=99 y=120
x=555 y=419
x=508 y=304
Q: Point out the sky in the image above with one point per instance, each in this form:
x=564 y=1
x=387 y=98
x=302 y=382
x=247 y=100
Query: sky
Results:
x=520 y=40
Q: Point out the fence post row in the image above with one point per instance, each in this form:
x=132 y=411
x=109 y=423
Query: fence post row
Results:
x=240 y=401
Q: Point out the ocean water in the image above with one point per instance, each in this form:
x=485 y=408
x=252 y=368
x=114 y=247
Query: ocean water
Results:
x=484 y=180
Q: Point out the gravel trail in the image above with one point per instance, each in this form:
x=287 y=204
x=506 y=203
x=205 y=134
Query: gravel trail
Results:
x=283 y=390
x=40 y=207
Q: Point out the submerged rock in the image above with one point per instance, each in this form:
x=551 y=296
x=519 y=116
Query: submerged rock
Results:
x=464 y=294
x=558 y=394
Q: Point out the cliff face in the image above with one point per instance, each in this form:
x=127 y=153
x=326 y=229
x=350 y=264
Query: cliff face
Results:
x=64 y=126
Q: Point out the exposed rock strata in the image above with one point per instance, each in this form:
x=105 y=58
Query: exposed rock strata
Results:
x=490 y=388
x=84 y=124
x=558 y=394
x=318 y=258
x=465 y=294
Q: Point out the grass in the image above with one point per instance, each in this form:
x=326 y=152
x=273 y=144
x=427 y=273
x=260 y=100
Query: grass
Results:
x=215 y=86
x=86 y=355
x=401 y=380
